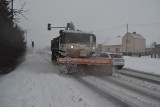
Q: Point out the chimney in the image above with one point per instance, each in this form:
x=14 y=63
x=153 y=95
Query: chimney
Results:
x=134 y=32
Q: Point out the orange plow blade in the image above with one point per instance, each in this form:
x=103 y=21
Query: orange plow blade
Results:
x=87 y=61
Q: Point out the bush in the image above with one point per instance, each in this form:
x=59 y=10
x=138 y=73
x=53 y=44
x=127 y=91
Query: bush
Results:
x=12 y=45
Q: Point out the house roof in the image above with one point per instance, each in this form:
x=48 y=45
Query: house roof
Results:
x=135 y=35
x=157 y=42
x=115 y=40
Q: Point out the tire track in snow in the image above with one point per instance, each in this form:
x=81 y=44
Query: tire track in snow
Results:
x=103 y=93
x=142 y=83
x=148 y=93
x=151 y=98
x=155 y=79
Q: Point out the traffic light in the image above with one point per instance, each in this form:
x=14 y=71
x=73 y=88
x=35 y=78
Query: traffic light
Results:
x=32 y=44
x=49 y=26
x=68 y=26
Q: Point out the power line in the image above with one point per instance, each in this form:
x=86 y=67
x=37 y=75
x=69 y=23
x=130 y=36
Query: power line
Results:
x=110 y=28
x=146 y=24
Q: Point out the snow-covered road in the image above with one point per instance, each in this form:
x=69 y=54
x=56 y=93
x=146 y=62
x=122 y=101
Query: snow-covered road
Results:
x=38 y=83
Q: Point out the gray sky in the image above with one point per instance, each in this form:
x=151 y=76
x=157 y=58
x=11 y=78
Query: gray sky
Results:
x=105 y=18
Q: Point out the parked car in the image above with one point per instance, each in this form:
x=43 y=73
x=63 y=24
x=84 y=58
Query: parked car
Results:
x=117 y=58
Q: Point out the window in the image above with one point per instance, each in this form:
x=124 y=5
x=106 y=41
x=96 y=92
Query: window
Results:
x=107 y=49
x=103 y=55
x=117 y=49
x=115 y=55
x=79 y=38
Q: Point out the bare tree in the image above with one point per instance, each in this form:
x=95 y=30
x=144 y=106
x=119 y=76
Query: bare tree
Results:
x=20 y=12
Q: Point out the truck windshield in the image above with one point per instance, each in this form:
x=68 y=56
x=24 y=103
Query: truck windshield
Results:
x=79 y=38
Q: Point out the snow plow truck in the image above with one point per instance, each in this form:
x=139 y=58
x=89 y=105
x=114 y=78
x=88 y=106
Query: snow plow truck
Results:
x=74 y=49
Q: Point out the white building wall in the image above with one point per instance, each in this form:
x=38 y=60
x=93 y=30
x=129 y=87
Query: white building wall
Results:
x=133 y=45
x=112 y=48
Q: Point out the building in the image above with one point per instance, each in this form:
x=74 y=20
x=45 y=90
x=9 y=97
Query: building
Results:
x=157 y=49
x=130 y=44
x=133 y=43
x=112 y=48
x=112 y=44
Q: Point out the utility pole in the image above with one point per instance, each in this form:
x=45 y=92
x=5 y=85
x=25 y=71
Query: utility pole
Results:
x=127 y=27
x=127 y=41
x=126 y=44
x=12 y=9
x=49 y=27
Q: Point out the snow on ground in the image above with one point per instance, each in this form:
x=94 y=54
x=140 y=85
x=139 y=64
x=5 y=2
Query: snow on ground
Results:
x=37 y=83
x=144 y=63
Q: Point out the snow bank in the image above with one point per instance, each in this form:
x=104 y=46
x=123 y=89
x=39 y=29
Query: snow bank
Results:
x=36 y=83
x=145 y=64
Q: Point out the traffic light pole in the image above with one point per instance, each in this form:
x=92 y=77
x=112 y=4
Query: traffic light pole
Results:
x=58 y=27
x=49 y=27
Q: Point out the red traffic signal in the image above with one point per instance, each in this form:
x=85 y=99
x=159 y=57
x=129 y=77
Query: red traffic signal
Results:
x=49 y=26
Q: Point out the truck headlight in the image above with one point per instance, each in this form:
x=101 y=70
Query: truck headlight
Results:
x=72 y=46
